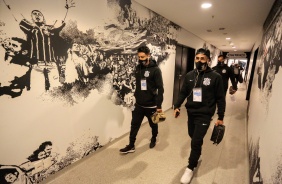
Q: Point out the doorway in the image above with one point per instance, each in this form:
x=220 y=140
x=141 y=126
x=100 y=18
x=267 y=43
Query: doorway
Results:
x=184 y=62
x=249 y=87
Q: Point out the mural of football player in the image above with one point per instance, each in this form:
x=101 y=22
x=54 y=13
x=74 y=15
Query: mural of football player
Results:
x=41 y=39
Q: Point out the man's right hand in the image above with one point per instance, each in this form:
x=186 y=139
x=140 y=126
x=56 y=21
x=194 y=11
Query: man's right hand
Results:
x=176 y=113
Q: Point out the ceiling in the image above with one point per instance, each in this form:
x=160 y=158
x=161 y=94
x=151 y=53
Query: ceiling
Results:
x=242 y=20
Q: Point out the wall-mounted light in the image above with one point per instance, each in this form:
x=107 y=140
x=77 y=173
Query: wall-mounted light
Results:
x=206 y=5
x=228 y=38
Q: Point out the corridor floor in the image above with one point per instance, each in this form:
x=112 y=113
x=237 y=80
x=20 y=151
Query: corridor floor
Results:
x=226 y=163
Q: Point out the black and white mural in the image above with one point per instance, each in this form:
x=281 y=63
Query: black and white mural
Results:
x=264 y=124
x=66 y=78
x=64 y=62
x=270 y=58
x=214 y=53
x=43 y=161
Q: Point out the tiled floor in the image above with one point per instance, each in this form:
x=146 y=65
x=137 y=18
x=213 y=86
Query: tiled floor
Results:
x=226 y=163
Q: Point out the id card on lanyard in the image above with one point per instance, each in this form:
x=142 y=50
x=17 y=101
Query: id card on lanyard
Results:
x=197 y=95
x=143 y=84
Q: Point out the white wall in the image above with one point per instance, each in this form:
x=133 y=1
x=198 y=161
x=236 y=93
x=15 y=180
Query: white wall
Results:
x=264 y=122
x=37 y=116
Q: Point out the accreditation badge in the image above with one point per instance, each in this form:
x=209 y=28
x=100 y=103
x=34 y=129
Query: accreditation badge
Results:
x=143 y=84
x=197 y=95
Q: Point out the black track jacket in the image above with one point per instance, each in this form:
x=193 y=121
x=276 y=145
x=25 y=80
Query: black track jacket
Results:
x=153 y=96
x=226 y=73
x=212 y=93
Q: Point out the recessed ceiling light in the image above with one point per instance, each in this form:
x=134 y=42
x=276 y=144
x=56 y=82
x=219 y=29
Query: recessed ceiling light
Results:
x=206 y=5
x=233 y=47
x=235 y=50
x=228 y=38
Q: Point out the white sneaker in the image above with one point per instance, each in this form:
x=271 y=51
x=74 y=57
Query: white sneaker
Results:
x=187 y=176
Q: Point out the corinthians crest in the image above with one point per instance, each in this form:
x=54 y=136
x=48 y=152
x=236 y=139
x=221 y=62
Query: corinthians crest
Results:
x=146 y=74
x=207 y=81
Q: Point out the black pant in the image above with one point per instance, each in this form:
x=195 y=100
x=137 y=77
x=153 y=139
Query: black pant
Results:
x=236 y=76
x=137 y=117
x=197 y=129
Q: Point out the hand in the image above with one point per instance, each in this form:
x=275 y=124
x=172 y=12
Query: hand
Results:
x=159 y=110
x=69 y=51
x=176 y=113
x=219 y=122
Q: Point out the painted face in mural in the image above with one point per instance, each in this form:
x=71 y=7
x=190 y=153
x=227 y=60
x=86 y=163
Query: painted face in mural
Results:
x=143 y=58
x=37 y=16
x=41 y=155
x=201 y=61
x=48 y=150
x=11 y=177
x=85 y=57
x=15 y=46
x=12 y=47
x=75 y=47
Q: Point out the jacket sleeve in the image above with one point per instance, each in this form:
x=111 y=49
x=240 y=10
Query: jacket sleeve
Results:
x=25 y=26
x=182 y=94
x=220 y=98
x=160 y=87
x=58 y=29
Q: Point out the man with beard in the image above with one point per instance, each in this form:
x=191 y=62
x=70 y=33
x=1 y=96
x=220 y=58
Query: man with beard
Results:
x=16 y=69
x=226 y=73
x=203 y=90
x=148 y=95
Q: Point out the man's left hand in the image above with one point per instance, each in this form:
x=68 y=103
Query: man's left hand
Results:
x=159 y=110
x=219 y=122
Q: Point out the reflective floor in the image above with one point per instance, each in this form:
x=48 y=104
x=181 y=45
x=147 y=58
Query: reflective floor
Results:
x=226 y=163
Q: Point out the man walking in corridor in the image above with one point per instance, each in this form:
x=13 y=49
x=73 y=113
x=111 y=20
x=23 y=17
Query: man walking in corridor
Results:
x=226 y=73
x=203 y=89
x=148 y=95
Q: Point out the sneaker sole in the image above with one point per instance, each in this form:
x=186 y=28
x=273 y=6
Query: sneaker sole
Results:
x=131 y=151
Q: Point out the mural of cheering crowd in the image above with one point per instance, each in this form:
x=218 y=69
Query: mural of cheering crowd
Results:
x=270 y=58
x=269 y=63
x=65 y=63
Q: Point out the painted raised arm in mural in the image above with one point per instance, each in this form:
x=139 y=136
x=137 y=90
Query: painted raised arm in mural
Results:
x=69 y=4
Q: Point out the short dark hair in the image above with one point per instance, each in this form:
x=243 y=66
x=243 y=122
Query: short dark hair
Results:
x=144 y=49
x=204 y=51
x=221 y=56
x=44 y=144
x=22 y=42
